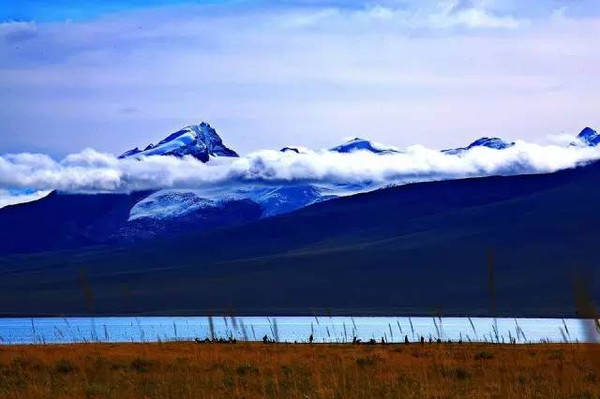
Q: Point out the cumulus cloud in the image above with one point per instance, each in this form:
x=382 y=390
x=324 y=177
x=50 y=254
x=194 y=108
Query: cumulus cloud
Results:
x=92 y=171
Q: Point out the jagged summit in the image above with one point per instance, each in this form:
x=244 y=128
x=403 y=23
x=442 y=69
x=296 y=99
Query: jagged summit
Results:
x=200 y=141
x=358 y=144
x=130 y=153
x=491 y=142
x=589 y=137
x=290 y=149
x=495 y=143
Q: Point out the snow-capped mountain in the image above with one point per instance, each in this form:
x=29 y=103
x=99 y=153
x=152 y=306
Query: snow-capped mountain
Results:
x=489 y=142
x=589 y=137
x=200 y=141
x=172 y=203
x=85 y=219
x=358 y=144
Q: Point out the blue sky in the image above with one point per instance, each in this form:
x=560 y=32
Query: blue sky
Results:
x=59 y=10
x=116 y=74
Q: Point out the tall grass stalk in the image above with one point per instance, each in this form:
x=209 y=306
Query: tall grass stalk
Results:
x=211 y=326
x=399 y=327
x=473 y=328
x=275 y=330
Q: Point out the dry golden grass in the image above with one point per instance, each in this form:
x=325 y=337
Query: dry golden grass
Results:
x=256 y=370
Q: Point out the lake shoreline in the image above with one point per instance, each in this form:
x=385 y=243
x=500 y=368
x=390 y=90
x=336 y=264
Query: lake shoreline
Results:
x=329 y=329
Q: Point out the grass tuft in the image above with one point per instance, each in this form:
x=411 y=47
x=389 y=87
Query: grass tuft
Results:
x=64 y=366
x=141 y=365
x=483 y=355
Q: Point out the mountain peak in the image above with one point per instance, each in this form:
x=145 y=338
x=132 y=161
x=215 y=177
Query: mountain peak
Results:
x=491 y=142
x=200 y=141
x=358 y=144
x=589 y=136
x=290 y=149
x=495 y=143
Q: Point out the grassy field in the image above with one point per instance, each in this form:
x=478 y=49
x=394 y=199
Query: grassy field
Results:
x=256 y=370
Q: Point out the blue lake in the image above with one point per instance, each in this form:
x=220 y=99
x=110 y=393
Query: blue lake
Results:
x=290 y=329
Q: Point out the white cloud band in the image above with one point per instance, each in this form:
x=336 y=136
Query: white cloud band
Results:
x=91 y=171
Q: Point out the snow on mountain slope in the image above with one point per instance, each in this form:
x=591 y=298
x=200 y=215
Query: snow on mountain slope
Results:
x=489 y=142
x=200 y=141
x=589 y=137
x=14 y=197
x=171 y=203
x=167 y=204
x=276 y=200
x=358 y=144
x=273 y=200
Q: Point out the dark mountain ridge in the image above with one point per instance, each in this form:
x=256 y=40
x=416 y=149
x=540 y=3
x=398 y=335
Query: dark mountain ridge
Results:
x=66 y=221
x=417 y=249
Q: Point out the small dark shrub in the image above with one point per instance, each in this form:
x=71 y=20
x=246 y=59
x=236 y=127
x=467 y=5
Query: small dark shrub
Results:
x=591 y=376
x=556 y=355
x=228 y=381
x=483 y=355
x=118 y=366
x=245 y=369
x=64 y=366
x=141 y=365
x=26 y=363
x=366 y=361
x=458 y=373
x=461 y=374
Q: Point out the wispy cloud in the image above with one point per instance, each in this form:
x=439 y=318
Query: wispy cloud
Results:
x=433 y=72
x=447 y=14
x=15 y=32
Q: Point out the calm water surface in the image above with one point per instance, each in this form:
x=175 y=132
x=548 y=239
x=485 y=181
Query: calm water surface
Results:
x=290 y=329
